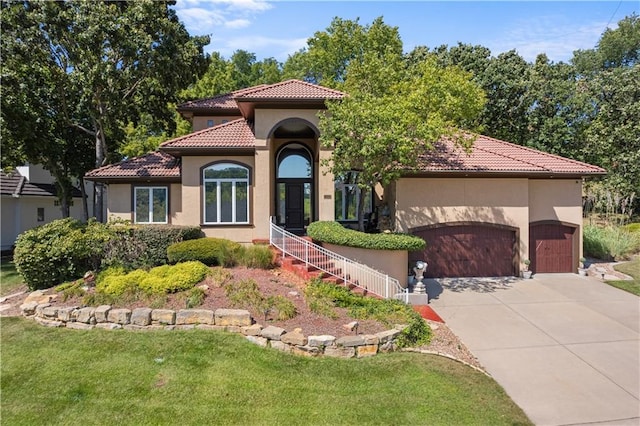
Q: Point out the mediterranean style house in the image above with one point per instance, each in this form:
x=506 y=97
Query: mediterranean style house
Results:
x=254 y=157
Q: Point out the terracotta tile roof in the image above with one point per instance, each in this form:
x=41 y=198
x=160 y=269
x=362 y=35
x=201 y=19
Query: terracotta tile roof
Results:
x=495 y=156
x=156 y=165
x=290 y=90
x=16 y=185
x=224 y=101
x=234 y=134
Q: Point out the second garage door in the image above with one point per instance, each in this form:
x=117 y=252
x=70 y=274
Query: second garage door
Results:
x=467 y=251
x=551 y=247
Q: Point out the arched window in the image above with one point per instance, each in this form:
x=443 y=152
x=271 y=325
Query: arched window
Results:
x=226 y=193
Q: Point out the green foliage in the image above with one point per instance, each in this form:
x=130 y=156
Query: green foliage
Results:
x=632 y=227
x=256 y=256
x=70 y=60
x=334 y=233
x=632 y=269
x=246 y=294
x=71 y=289
x=159 y=280
x=610 y=242
x=210 y=251
x=195 y=297
x=321 y=296
x=144 y=246
x=219 y=276
x=59 y=251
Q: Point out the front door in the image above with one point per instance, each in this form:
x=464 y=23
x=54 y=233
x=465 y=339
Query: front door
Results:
x=294 y=207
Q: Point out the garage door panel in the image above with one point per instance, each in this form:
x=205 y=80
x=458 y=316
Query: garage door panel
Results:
x=551 y=248
x=467 y=251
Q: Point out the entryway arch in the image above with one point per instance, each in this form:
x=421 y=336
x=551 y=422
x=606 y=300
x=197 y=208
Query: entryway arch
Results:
x=295 y=186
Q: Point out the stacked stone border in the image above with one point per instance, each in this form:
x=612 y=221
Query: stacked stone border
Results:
x=229 y=320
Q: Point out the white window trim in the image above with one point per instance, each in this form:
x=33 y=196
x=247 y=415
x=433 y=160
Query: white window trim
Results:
x=150 y=203
x=218 y=182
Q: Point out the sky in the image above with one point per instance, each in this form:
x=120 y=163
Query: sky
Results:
x=279 y=28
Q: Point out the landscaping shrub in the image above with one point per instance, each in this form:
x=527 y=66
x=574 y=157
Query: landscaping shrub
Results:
x=632 y=227
x=610 y=242
x=62 y=250
x=256 y=256
x=144 y=246
x=246 y=294
x=218 y=276
x=195 y=298
x=323 y=296
x=159 y=280
x=210 y=251
x=334 y=233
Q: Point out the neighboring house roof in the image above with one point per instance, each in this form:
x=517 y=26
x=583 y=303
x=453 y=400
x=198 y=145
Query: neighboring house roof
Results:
x=234 y=134
x=16 y=185
x=491 y=155
x=225 y=101
x=154 y=166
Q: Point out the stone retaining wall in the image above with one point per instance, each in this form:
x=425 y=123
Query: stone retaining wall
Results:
x=230 y=320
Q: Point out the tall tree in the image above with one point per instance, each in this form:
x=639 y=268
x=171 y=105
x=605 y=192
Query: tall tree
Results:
x=329 y=53
x=119 y=60
x=393 y=114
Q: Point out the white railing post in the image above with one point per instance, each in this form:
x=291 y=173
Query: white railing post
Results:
x=306 y=254
x=386 y=286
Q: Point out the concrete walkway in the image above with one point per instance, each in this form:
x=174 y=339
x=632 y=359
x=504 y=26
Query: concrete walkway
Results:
x=564 y=347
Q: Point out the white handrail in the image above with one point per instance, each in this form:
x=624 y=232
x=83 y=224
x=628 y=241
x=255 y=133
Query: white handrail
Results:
x=334 y=264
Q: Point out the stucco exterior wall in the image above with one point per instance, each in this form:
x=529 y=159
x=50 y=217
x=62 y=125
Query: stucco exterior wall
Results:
x=267 y=119
x=427 y=201
x=119 y=203
x=200 y=122
x=391 y=262
x=21 y=214
x=190 y=212
x=326 y=189
x=558 y=200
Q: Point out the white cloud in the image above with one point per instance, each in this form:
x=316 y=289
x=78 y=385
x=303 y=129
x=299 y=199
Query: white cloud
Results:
x=555 y=36
x=204 y=17
x=237 y=24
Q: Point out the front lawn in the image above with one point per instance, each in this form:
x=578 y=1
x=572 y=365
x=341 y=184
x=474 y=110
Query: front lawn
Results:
x=61 y=376
x=630 y=268
x=10 y=279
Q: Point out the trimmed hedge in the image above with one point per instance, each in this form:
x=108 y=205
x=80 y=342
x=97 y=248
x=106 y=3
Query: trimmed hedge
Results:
x=334 y=233
x=144 y=246
x=210 y=251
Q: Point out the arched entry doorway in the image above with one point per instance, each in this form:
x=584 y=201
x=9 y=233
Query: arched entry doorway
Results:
x=294 y=187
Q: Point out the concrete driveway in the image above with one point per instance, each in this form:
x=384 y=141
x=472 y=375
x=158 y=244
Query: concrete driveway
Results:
x=564 y=347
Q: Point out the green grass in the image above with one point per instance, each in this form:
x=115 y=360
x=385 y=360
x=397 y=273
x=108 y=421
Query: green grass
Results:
x=630 y=268
x=61 y=376
x=10 y=279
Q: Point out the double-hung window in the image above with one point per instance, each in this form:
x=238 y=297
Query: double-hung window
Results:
x=347 y=197
x=150 y=204
x=226 y=194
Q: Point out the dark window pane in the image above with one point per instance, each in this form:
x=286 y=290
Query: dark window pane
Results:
x=242 y=201
x=159 y=205
x=226 y=202
x=210 y=203
x=142 y=205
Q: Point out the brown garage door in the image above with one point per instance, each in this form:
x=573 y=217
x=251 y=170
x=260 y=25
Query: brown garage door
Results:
x=467 y=251
x=551 y=248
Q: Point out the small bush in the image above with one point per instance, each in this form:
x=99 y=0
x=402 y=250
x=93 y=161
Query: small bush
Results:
x=285 y=309
x=632 y=227
x=256 y=256
x=59 y=251
x=334 y=233
x=71 y=289
x=159 y=280
x=218 y=276
x=210 y=251
x=244 y=294
x=610 y=242
x=195 y=298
